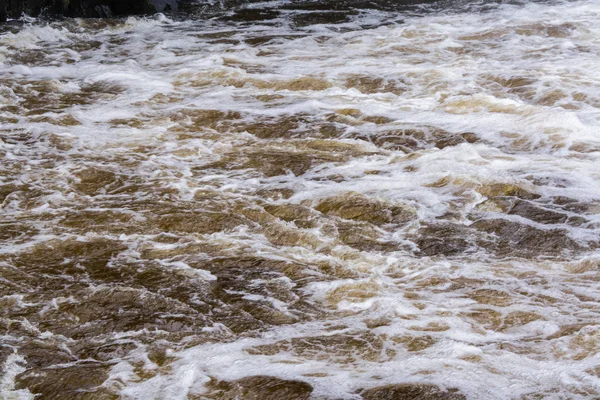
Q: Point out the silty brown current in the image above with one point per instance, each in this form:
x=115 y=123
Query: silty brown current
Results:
x=302 y=201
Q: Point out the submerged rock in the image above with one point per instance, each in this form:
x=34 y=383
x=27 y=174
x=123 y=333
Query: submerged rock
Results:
x=343 y=348
x=411 y=391
x=69 y=382
x=263 y=388
x=497 y=236
x=358 y=207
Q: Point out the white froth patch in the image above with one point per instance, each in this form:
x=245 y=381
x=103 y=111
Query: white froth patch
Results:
x=181 y=268
x=13 y=366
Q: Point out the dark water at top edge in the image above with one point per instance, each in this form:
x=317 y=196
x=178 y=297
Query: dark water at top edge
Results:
x=255 y=10
x=313 y=11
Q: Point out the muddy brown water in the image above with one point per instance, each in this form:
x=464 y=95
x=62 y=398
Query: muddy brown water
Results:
x=294 y=201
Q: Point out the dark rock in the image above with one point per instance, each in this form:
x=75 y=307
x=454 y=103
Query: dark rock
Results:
x=445 y=239
x=411 y=391
x=253 y=14
x=323 y=17
x=3 y=10
x=40 y=354
x=163 y=5
x=513 y=238
x=537 y=213
x=342 y=5
x=496 y=236
x=83 y=8
x=532 y=210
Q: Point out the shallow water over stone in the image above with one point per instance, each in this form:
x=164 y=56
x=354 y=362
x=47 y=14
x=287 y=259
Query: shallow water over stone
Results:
x=302 y=201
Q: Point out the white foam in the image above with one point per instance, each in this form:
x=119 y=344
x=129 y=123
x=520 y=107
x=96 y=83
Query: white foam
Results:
x=13 y=366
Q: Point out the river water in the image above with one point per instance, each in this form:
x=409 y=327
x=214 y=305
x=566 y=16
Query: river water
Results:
x=293 y=202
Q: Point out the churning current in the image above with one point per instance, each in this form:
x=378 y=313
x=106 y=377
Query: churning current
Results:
x=288 y=203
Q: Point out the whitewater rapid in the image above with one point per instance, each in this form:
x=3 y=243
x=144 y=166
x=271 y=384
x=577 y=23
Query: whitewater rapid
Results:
x=338 y=201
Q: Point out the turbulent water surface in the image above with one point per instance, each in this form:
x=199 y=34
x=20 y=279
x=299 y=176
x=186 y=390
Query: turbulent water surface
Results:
x=292 y=203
